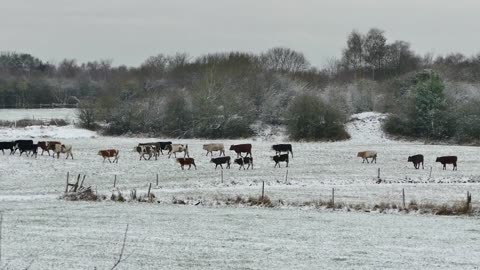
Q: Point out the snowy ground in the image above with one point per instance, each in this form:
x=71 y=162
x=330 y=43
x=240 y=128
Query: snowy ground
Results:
x=17 y=114
x=220 y=237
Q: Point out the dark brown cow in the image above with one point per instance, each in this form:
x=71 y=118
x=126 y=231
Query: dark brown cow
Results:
x=416 y=160
x=187 y=161
x=242 y=148
x=448 y=160
x=107 y=154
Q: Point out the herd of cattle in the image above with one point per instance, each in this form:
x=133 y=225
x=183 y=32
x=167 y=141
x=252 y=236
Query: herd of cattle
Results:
x=416 y=159
x=154 y=149
x=29 y=148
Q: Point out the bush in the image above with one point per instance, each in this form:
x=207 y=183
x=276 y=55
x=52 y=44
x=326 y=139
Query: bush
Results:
x=311 y=119
x=87 y=115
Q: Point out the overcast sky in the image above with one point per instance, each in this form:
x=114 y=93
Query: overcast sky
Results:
x=129 y=31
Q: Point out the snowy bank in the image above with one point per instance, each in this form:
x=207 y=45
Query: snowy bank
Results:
x=56 y=132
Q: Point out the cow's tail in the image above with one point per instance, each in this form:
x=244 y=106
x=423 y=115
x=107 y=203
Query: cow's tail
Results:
x=291 y=151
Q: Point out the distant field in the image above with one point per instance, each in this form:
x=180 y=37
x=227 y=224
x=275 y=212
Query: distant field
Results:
x=56 y=234
x=17 y=114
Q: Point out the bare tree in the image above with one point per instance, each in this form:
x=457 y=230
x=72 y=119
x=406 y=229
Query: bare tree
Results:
x=353 y=54
x=375 y=49
x=284 y=60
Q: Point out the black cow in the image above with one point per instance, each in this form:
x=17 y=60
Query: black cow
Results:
x=6 y=146
x=279 y=148
x=416 y=160
x=448 y=160
x=220 y=161
x=280 y=158
x=19 y=143
x=244 y=160
x=28 y=148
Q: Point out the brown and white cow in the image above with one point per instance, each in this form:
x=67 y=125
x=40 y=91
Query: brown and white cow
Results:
x=186 y=161
x=109 y=153
x=147 y=149
x=47 y=146
x=62 y=148
x=211 y=147
x=177 y=148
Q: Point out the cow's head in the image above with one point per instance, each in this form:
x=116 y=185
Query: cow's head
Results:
x=437 y=160
x=410 y=159
x=232 y=147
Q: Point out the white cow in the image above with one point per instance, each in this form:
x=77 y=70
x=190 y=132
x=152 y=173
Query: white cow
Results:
x=62 y=148
x=177 y=148
x=214 y=147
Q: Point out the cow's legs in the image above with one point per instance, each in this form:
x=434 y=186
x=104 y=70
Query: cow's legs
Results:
x=287 y=164
x=455 y=166
x=423 y=168
x=228 y=165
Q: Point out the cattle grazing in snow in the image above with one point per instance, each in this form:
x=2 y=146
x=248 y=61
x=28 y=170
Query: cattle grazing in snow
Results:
x=47 y=146
x=186 y=161
x=244 y=160
x=220 y=161
x=62 y=148
x=7 y=146
x=211 y=147
x=178 y=148
x=416 y=160
x=109 y=153
x=242 y=148
x=280 y=148
x=19 y=143
x=147 y=149
x=280 y=158
x=365 y=155
x=448 y=160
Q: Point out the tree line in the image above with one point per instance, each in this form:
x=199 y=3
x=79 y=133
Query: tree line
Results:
x=228 y=95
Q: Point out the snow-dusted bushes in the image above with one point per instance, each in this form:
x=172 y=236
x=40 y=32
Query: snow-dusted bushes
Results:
x=309 y=118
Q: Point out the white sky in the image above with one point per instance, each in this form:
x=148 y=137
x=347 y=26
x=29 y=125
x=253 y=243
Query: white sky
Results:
x=129 y=31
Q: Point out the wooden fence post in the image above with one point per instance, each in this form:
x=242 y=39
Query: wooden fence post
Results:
x=149 y=188
x=286 y=177
x=378 y=177
x=157 y=179
x=263 y=189
x=115 y=181
x=430 y=175
x=403 y=197
x=333 y=198
x=66 y=187
x=222 y=175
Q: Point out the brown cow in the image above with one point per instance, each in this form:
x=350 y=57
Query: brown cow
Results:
x=448 y=160
x=242 y=148
x=107 y=154
x=187 y=161
x=365 y=155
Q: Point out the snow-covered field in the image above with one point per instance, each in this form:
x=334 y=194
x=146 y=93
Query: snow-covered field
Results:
x=17 y=114
x=55 y=234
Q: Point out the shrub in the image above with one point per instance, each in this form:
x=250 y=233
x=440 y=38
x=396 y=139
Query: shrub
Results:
x=311 y=119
